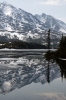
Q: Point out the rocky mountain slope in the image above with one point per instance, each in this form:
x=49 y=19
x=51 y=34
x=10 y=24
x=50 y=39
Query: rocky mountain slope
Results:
x=16 y=23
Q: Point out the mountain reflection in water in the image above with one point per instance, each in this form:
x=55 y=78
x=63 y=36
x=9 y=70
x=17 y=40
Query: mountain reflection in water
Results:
x=21 y=71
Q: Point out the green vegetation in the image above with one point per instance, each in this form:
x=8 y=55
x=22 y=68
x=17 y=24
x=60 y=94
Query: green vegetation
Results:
x=60 y=53
x=54 y=56
x=62 y=65
x=21 y=45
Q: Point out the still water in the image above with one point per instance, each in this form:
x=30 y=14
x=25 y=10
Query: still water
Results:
x=31 y=77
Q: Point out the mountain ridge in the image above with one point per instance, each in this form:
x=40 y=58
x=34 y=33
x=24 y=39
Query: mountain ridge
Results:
x=16 y=23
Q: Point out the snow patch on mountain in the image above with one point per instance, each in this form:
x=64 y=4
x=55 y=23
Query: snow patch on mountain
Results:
x=62 y=30
x=8 y=27
x=7 y=10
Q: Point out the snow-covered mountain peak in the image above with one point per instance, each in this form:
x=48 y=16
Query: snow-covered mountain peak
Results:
x=4 y=3
x=7 y=9
x=20 y=22
x=43 y=14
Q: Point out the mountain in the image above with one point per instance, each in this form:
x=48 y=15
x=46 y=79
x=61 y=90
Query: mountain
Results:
x=25 y=70
x=16 y=23
x=51 y=22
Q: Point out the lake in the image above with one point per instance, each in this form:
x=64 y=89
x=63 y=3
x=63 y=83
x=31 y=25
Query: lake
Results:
x=27 y=75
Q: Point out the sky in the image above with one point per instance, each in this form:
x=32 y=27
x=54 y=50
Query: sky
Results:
x=55 y=8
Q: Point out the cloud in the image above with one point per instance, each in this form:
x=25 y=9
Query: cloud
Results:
x=65 y=0
x=53 y=96
x=53 y=2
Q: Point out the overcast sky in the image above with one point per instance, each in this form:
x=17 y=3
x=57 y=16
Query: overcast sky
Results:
x=56 y=8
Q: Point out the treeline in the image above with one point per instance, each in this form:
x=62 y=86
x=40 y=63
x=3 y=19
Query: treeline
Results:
x=60 y=53
x=21 y=45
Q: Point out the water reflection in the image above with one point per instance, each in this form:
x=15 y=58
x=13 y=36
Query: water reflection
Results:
x=21 y=71
x=53 y=96
x=62 y=65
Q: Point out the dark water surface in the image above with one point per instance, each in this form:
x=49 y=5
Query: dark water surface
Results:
x=31 y=77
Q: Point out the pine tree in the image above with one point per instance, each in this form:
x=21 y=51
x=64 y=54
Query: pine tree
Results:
x=61 y=52
x=49 y=39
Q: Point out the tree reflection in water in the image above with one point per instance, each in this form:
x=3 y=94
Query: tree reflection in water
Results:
x=48 y=73
x=62 y=65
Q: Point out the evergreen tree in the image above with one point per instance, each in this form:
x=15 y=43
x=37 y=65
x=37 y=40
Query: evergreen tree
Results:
x=49 y=39
x=61 y=52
